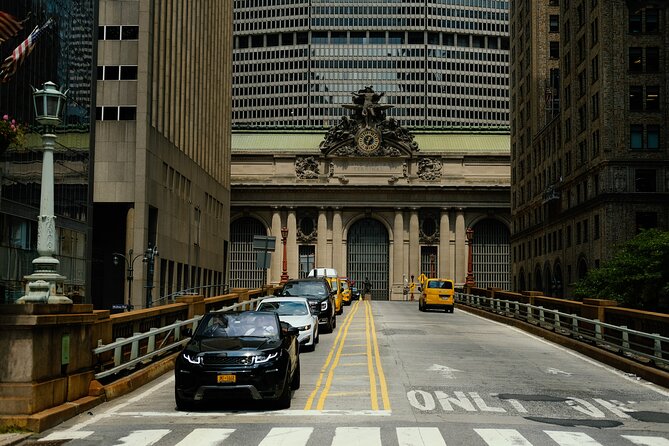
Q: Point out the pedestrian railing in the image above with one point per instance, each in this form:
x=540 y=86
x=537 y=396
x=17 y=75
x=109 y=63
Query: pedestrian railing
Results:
x=620 y=339
x=204 y=290
x=140 y=349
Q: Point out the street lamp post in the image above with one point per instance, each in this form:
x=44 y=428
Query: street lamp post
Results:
x=130 y=263
x=150 y=257
x=43 y=283
x=470 y=262
x=284 y=272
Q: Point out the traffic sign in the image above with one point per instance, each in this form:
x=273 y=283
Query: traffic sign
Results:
x=422 y=278
x=264 y=243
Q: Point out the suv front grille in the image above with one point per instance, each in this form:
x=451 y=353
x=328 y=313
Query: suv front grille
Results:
x=222 y=360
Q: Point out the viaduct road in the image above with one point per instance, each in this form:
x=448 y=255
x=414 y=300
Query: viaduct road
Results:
x=391 y=375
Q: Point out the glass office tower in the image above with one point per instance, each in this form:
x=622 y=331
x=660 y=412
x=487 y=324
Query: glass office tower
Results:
x=63 y=54
x=441 y=63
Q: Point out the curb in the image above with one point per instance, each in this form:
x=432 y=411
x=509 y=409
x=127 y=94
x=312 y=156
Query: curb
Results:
x=651 y=374
x=98 y=393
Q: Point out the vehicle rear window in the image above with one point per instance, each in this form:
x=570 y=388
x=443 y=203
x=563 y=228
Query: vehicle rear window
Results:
x=304 y=289
x=443 y=284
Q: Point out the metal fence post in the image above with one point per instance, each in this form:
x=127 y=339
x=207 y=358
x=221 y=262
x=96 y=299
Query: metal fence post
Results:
x=134 y=349
x=151 y=346
x=598 y=329
x=574 y=324
x=626 y=337
x=658 y=346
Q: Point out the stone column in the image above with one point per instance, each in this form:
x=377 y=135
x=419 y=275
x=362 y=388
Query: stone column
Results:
x=274 y=274
x=398 y=256
x=337 y=237
x=460 y=248
x=445 y=263
x=322 y=242
x=291 y=244
x=414 y=246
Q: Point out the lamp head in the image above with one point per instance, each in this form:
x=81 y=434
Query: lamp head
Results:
x=49 y=103
x=284 y=232
x=115 y=260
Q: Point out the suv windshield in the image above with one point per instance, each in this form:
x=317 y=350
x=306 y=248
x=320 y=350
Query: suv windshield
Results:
x=304 y=289
x=238 y=324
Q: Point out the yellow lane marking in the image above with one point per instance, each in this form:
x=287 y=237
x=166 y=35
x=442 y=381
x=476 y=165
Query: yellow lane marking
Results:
x=353 y=364
x=354 y=354
x=328 y=381
x=310 y=400
x=379 y=368
x=348 y=393
x=370 y=365
x=357 y=345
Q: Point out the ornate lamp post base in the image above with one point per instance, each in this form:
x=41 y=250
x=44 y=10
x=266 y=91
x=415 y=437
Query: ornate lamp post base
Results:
x=42 y=288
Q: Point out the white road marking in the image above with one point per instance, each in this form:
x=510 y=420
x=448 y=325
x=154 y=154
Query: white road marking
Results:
x=287 y=436
x=502 y=437
x=66 y=435
x=277 y=413
x=553 y=371
x=445 y=371
x=419 y=436
x=572 y=438
x=616 y=409
x=517 y=405
x=143 y=437
x=585 y=407
x=647 y=441
x=357 y=436
x=482 y=404
x=205 y=437
x=617 y=372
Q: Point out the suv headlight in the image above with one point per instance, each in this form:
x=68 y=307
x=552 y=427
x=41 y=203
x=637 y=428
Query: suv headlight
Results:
x=266 y=357
x=324 y=305
x=193 y=359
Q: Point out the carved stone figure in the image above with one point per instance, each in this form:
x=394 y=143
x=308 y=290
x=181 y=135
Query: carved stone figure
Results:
x=306 y=168
x=429 y=169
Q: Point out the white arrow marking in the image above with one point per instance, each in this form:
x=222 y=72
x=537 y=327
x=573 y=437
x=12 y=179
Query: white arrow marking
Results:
x=447 y=372
x=557 y=372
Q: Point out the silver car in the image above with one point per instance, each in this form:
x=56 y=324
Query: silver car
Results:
x=297 y=312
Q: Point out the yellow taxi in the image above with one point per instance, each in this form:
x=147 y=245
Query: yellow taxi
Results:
x=346 y=291
x=437 y=293
x=336 y=285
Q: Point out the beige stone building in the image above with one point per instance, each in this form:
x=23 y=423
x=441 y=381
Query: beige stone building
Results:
x=590 y=164
x=354 y=199
x=162 y=150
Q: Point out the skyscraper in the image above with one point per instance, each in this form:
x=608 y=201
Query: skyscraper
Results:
x=590 y=160
x=441 y=63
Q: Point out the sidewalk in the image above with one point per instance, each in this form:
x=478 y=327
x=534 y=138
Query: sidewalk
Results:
x=13 y=439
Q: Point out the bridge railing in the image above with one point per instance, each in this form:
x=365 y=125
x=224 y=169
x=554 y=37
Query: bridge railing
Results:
x=141 y=336
x=617 y=338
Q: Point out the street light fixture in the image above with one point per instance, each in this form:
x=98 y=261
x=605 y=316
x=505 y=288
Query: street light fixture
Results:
x=469 y=282
x=43 y=283
x=284 y=273
x=150 y=257
x=130 y=263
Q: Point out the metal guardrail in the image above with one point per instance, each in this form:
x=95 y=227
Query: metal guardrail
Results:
x=223 y=288
x=615 y=338
x=132 y=359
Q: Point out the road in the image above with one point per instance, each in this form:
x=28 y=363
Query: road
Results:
x=391 y=375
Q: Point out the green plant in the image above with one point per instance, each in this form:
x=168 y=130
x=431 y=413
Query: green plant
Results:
x=11 y=132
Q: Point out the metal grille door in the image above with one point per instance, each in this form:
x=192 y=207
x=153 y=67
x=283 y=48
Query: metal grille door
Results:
x=368 y=249
x=243 y=270
x=491 y=255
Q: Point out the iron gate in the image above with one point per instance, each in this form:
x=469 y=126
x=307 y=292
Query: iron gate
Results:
x=491 y=254
x=244 y=272
x=368 y=249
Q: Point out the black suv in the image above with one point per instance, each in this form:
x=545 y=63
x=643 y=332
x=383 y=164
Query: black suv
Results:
x=320 y=296
x=238 y=355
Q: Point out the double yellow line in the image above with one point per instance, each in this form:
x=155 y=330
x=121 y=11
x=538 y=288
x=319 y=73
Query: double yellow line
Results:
x=327 y=374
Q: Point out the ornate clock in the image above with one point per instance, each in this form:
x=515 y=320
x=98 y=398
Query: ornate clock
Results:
x=368 y=140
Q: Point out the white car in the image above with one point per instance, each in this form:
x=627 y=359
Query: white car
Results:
x=297 y=312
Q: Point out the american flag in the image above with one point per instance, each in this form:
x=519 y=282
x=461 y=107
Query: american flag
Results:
x=9 y=26
x=12 y=63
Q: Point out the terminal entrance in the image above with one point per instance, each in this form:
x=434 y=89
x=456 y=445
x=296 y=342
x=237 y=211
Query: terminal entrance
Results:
x=368 y=256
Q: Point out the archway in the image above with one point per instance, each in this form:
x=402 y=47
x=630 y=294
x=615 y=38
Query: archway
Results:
x=538 y=283
x=244 y=273
x=548 y=279
x=368 y=250
x=557 y=280
x=582 y=269
x=521 y=280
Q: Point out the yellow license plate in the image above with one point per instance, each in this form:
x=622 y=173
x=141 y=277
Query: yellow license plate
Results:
x=226 y=378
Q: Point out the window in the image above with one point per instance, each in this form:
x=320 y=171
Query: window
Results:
x=652 y=60
x=653 y=137
x=636 y=136
x=636 y=98
x=128 y=72
x=652 y=98
x=635 y=59
x=594 y=32
x=652 y=20
x=596 y=228
x=554 y=23
x=595 y=106
x=646 y=220
x=578 y=233
x=554 y=51
x=635 y=21
x=115 y=113
x=594 y=69
x=645 y=180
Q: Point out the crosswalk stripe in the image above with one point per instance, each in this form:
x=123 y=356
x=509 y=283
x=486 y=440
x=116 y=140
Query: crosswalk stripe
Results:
x=572 y=438
x=419 y=436
x=287 y=436
x=66 y=435
x=647 y=441
x=143 y=437
x=502 y=437
x=357 y=436
x=205 y=437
